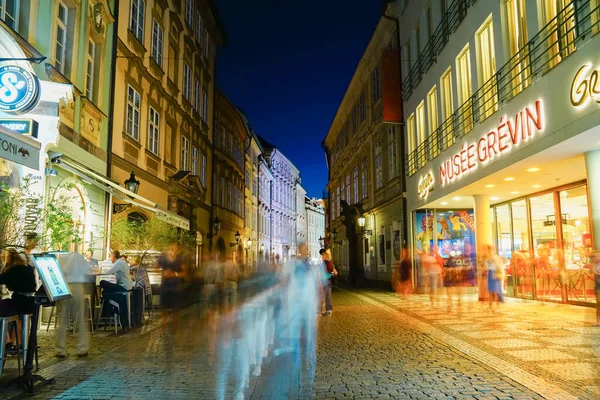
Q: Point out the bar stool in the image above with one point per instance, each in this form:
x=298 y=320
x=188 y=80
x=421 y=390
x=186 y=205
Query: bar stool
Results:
x=55 y=312
x=4 y=325
x=88 y=299
x=116 y=316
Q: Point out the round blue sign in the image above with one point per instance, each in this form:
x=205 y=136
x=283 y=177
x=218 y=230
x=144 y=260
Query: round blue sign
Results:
x=19 y=90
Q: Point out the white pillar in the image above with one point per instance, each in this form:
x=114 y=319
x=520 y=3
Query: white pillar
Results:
x=592 y=166
x=483 y=222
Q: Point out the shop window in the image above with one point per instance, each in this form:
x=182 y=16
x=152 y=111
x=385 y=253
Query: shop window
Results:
x=521 y=267
x=577 y=243
x=543 y=229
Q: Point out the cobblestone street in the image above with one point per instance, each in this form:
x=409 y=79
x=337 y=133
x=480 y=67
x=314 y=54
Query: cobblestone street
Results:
x=373 y=346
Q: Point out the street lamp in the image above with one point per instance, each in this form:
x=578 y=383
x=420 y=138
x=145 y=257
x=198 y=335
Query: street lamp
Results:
x=237 y=237
x=249 y=243
x=132 y=184
x=361 y=224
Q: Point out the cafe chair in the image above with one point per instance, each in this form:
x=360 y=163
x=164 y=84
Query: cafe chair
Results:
x=5 y=325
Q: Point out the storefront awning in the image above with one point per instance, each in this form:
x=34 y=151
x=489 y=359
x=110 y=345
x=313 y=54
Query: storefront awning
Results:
x=19 y=149
x=122 y=193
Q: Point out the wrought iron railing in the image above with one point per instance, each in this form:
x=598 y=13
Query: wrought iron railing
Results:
x=553 y=43
x=454 y=15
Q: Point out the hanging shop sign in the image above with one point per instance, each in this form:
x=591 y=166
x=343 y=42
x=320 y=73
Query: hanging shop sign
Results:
x=425 y=185
x=15 y=148
x=511 y=132
x=26 y=127
x=585 y=86
x=19 y=90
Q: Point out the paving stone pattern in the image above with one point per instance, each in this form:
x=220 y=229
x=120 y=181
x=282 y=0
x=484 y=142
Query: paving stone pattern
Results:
x=373 y=346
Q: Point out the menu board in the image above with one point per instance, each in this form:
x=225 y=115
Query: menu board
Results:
x=54 y=281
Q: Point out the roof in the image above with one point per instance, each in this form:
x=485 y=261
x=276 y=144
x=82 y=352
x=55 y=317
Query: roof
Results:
x=264 y=143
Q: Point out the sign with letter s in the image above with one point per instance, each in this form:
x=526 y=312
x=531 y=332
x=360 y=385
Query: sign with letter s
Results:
x=19 y=90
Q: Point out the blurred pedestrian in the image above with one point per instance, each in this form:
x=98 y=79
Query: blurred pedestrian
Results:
x=433 y=268
x=172 y=266
x=231 y=275
x=405 y=270
x=495 y=275
x=77 y=274
x=328 y=273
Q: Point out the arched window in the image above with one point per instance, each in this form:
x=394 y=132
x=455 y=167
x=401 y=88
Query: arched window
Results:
x=136 y=218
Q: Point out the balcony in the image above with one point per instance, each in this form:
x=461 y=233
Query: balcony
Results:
x=452 y=18
x=553 y=43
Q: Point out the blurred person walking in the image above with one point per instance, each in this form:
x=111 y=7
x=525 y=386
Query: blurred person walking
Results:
x=433 y=267
x=495 y=275
x=328 y=276
x=231 y=275
x=173 y=268
x=405 y=270
x=78 y=274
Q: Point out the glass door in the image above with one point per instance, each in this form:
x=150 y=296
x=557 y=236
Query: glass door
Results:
x=544 y=235
x=521 y=264
x=504 y=243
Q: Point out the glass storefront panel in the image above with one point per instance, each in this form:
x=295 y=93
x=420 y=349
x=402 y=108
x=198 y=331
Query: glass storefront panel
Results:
x=577 y=244
x=504 y=243
x=546 y=266
x=521 y=266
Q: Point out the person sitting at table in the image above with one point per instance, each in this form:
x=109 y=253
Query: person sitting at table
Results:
x=90 y=260
x=140 y=277
x=19 y=278
x=120 y=270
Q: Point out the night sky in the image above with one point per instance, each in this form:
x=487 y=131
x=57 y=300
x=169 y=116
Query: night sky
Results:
x=287 y=65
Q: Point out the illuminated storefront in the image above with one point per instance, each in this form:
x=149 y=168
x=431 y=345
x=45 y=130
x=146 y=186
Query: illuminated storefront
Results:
x=524 y=176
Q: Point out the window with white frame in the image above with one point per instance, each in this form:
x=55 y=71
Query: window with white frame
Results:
x=410 y=132
x=363 y=106
x=348 y=196
x=185 y=154
x=203 y=170
x=187 y=80
x=206 y=45
x=189 y=13
x=153 y=130
x=355 y=183
x=90 y=78
x=199 y=28
x=378 y=166
x=376 y=84
x=9 y=13
x=60 y=53
x=132 y=127
x=432 y=118
x=194 y=160
x=196 y=94
x=363 y=178
x=486 y=66
x=204 y=106
x=338 y=208
x=463 y=84
x=392 y=152
x=446 y=107
x=136 y=21
x=157 y=42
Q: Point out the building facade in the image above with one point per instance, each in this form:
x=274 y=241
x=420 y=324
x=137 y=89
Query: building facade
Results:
x=64 y=48
x=265 y=208
x=253 y=153
x=163 y=110
x=301 y=221
x=285 y=177
x=232 y=133
x=315 y=226
x=502 y=134
x=365 y=174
